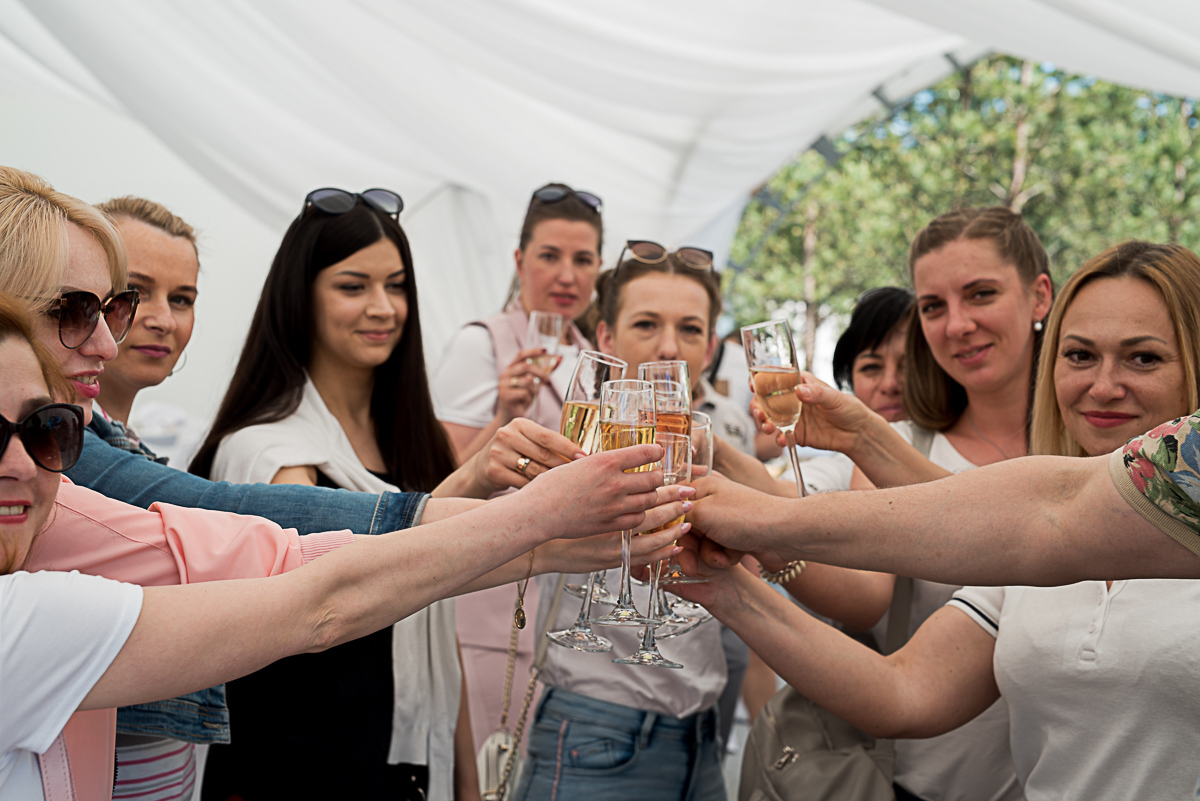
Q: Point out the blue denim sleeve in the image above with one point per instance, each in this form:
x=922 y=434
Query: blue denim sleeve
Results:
x=136 y=480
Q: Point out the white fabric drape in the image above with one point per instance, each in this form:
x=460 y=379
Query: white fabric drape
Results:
x=672 y=111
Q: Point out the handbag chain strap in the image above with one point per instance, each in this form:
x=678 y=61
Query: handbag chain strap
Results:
x=539 y=658
x=509 y=669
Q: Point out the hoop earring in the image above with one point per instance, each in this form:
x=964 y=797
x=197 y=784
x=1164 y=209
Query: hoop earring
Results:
x=1037 y=326
x=179 y=367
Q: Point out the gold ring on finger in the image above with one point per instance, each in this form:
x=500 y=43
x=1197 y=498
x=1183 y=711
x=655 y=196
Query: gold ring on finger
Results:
x=514 y=381
x=522 y=464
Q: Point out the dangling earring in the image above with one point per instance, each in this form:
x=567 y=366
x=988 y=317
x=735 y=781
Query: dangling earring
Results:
x=180 y=366
x=1037 y=326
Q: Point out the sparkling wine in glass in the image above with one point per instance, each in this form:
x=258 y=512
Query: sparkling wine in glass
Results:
x=581 y=425
x=545 y=331
x=701 y=435
x=672 y=394
x=676 y=464
x=626 y=418
x=774 y=378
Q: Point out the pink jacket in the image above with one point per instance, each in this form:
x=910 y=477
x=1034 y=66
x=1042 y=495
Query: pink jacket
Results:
x=163 y=545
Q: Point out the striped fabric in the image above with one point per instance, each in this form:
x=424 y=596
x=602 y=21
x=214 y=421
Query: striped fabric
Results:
x=156 y=770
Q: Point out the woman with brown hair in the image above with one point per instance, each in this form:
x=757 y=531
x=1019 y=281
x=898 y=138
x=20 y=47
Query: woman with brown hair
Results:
x=488 y=377
x=982 y=286
x=1096 y=674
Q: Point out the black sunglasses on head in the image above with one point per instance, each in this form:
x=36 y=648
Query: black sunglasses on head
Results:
x=339 y=201
x=648 y=252
x=52 y=436
x=78 y=314
x=554 y=194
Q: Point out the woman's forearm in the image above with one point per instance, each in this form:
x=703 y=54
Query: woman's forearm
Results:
x=893 y=696
x=888 y=460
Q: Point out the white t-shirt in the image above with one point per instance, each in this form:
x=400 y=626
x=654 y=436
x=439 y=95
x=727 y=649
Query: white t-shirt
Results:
x=59 y=632
x=466 y=382
x=1101 y=685
x=973 y=762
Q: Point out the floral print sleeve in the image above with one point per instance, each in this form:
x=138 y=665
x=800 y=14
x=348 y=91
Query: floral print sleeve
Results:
x=1158 y=474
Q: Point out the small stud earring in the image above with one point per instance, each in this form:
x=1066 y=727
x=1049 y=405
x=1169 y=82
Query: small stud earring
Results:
x=1037 y=326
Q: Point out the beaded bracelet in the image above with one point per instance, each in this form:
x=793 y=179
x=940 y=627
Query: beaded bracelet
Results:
x=789 y=572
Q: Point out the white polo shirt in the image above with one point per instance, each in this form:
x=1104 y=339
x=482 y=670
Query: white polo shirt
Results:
x=1101 y=685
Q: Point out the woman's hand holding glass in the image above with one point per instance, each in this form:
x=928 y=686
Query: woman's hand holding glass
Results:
x=519 y=383
x=520 y=452
x=830 y=419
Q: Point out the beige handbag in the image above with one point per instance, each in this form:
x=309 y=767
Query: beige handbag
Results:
x=499 y=759
x=798 y=750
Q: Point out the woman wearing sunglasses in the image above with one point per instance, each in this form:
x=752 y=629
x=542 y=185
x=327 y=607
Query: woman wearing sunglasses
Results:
x=604 y=731
x=34 y=221
x=82 y=642
x=331 y=390
x=487 y=378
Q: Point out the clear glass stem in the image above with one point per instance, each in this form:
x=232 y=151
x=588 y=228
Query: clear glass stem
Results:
x=794 y=455
x=652 y=611
x=625 y=597
x=585 y=611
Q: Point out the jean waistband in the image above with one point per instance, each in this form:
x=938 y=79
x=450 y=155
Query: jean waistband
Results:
x=575 y=706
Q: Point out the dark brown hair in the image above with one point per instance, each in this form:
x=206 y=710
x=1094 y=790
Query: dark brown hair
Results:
x=935 y=400
x=269 y=380
x=569 y=208
x=611 y=282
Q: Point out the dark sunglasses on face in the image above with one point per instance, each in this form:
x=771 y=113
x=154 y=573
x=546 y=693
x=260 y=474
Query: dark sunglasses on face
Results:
x=653 y=253
x=52 y=436
x=553 y=194
x=78 y=314
x=339 y=201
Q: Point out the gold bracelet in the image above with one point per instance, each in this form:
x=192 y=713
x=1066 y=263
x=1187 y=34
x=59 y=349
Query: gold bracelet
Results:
x=790 y=571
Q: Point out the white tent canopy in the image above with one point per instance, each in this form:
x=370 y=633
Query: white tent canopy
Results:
x=673 y=112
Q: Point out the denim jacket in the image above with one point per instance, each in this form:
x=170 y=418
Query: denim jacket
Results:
x=113 y=465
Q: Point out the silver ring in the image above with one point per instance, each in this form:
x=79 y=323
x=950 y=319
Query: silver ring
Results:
x=523 y=464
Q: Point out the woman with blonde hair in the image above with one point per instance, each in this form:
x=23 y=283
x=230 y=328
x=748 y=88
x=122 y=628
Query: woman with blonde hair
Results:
x=1097 y=674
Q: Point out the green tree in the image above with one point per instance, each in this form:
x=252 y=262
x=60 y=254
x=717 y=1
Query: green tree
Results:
x=1087 y=163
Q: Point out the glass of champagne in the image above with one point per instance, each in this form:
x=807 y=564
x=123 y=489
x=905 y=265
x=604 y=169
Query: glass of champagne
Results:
x=701 y=466
x=581 y=425
x=676 y=464
x=626 y=418
x=672 y=394
x=545 y=331
x=775 y=377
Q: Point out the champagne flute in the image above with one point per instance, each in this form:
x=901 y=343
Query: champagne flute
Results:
x=676 y=465
x=702 y=461
x=626 y=418
x=545 y=330
x=672 y=394
x=581 y=425
x=775 y=377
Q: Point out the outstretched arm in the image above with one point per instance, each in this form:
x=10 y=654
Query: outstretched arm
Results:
x=940 y=680
x=194 y=636
x=1042 y=520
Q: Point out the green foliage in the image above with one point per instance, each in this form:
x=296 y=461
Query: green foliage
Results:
x=1089 y=164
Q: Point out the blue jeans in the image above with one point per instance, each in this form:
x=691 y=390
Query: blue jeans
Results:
x=581 y=747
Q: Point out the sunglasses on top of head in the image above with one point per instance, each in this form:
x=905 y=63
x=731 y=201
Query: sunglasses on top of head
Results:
x=339 y=201
x=646 y=252
x=554 y=194
x=52 y=436
x=78 y=313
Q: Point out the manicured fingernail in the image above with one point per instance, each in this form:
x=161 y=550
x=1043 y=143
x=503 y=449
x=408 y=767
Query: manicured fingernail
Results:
x=805 y=392
x=678 y=549
x=687 y=506
x=685 y=528
x=686 y=492
x=579 y=455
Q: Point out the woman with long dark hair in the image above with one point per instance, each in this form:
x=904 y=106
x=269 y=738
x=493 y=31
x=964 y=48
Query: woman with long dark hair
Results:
x=331 y=390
